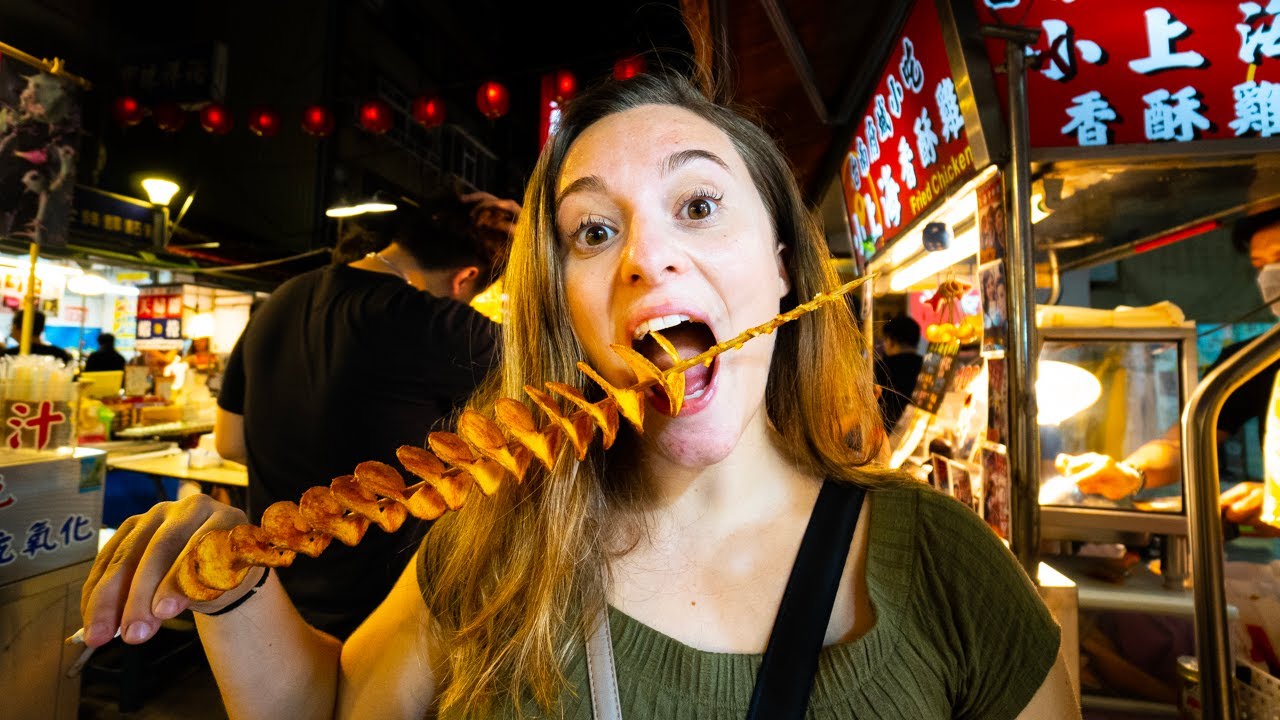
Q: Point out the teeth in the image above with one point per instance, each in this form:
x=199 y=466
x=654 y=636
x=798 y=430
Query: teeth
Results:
x=696 y=395
x=658 y=323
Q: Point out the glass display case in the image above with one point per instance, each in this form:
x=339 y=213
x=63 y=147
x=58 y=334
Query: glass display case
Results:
x=1132 y=390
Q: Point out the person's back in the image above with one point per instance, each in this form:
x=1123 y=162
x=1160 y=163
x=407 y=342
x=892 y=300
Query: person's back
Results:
x=105 y=358
x=897 y=370
x=340 y=366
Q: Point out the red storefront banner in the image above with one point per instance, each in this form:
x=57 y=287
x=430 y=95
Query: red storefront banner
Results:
x=1146 y=71
x=911 y=142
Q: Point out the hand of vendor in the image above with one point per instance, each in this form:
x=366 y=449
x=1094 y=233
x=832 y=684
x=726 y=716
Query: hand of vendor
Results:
x=1242 y=504
x=1098 y=474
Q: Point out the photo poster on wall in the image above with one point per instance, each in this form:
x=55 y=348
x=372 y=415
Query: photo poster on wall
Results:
x=995 y=471
x=39 y=136
x=995 y=310
x=934 y=380
x=993 y=224
x=997 y=401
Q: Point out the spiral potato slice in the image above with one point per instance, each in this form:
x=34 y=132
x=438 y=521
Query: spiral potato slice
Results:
x=479 y=454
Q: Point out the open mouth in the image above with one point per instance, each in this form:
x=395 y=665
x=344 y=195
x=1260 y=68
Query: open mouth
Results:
x=689 y=337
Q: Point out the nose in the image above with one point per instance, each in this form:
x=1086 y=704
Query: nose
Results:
x=651 y=254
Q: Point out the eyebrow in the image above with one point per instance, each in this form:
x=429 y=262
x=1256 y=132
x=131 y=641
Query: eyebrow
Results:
x=673 y=162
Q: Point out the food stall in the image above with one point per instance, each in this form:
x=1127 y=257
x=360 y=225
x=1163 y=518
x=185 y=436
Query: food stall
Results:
x=974 y=190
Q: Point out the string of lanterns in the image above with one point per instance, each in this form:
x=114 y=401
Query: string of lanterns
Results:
x=374 y=116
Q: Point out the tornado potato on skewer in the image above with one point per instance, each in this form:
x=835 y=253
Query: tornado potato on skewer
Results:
x=479 y=454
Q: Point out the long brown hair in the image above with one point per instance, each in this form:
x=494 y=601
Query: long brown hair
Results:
x=512 y=577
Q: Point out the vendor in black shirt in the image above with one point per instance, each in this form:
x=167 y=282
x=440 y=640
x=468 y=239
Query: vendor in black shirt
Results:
x=898 y=368
x=346 y=364
x=105 y=357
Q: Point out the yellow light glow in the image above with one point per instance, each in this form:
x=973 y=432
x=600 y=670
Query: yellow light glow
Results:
x=963 y=247
x=1064 y=390
x=201 y=325
x=159 y=190
x=342 y=211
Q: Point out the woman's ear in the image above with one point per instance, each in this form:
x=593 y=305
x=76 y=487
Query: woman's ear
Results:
x=784 y=281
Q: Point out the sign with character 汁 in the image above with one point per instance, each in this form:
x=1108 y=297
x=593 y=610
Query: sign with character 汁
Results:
x=911 y=144
x=1146 y=71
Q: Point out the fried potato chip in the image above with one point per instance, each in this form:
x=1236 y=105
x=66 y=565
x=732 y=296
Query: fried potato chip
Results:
x=604 y=414
x=450 y=448
x=452 y=486
x=628 y=402
x=189 y=581
x=426 y=503
x=579 y=430
x=216 y=565
x=286 y=526
x=386 y=514
x=380 y=478
x=486 y=437
x=253 y=545
x=517 y=418
x=672 y=382
x=325 y=513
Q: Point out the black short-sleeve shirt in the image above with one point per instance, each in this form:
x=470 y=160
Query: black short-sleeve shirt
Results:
x=340 y=366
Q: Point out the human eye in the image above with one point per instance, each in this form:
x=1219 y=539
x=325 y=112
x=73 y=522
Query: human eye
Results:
x=700 y=205
x=592 y=232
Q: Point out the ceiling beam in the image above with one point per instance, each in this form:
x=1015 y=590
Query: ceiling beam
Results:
x=794 y=49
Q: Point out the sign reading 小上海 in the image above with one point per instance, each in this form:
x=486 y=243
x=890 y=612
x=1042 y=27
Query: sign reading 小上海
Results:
x=911 y=143
x=1147 y=71
x=159 y=318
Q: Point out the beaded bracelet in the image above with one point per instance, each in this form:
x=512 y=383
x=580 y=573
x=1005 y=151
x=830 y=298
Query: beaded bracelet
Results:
x=240 y=600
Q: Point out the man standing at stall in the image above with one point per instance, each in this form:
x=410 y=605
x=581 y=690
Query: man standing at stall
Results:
x=38 y=346
x=897 y=370
x=347 y=363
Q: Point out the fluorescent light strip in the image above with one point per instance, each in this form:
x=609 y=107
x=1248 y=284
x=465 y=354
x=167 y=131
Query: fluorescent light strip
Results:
x=963 y=247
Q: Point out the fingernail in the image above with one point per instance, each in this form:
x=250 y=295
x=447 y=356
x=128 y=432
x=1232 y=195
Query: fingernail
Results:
x=137 y=632
x=166 y=608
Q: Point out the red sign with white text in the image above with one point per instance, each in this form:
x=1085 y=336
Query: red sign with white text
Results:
x=911 y=142
x=1147 y=71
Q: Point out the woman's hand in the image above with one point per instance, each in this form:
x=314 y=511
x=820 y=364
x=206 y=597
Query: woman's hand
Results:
x=132 y=585
x=493 y=213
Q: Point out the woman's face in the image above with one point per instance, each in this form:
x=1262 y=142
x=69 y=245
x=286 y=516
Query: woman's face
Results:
x=660 y=225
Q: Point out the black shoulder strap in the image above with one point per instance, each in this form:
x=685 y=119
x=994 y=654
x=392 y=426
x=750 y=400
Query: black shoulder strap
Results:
x=791 y=659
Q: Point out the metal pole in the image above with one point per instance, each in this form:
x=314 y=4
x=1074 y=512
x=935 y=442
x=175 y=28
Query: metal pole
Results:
x=1204 y=519
x=1020 y=278
x=29 y=303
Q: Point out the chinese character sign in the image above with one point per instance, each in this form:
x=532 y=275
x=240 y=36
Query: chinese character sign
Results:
x=911 y=144
x=1147 y=71
x=160 y=318
x=39 y=133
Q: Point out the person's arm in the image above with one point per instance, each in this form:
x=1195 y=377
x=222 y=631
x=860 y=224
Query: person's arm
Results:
x=268 y=662
x=228 y=436
x=387 y=669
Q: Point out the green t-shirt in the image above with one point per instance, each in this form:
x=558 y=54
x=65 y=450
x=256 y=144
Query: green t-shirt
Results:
x=960 y=632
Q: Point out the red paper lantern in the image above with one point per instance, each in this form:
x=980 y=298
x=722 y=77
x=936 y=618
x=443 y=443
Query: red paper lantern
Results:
x=215 y=119
x=127 y=111
x=493 y=100
x=317 y=121
x=264 y=122
x=427 y=111
x=169 y=117
x=565 y=85
x=375 y=117
x=628 y=67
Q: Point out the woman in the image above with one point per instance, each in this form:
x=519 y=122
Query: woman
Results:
x=650 y=207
